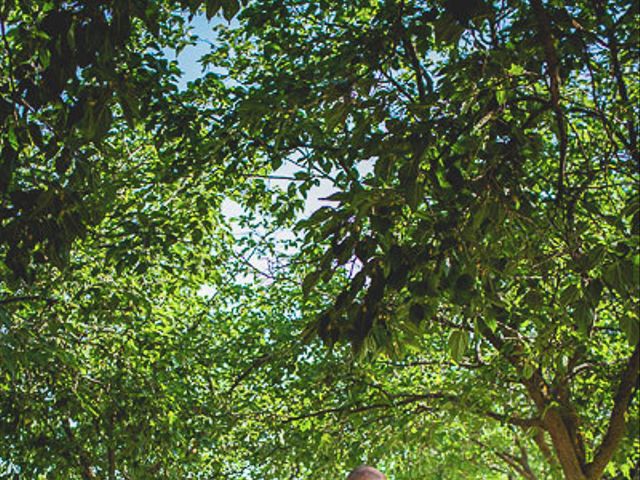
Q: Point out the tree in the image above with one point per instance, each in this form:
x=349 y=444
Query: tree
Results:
x=479 y=251
x=485 y=163
x=73 y=72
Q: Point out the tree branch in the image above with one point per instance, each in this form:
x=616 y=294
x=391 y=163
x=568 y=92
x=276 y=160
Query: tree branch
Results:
x=563 y=442
x=513 y=462
x=516 y=421
x=617 y=421
x=541 y=442
x=25 y=298
x=553 y=67
x=12 y=86
x=348 y=410
x=257 y=363
x=83 y=460
x=622 y=87
x=415 y=63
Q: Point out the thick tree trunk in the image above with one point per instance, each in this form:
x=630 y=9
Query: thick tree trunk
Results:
x=562 y=429
x=563 y=445
x=565 y=441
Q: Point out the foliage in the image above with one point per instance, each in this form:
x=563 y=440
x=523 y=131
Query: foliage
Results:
x=75 y=71
x=473 y=272
x=486 y=185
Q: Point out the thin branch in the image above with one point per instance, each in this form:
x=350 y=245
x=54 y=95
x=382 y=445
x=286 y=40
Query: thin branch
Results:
x=622 y=87
x=257 y=363
x=83 y=460
x=516 y=421
x=397 y=84
x=541 y=442
x=411 y=52
x=435 y=363
x=348 y=410
x=513 y=462
x=553 y=66
x=563 y=442
x=26 y=298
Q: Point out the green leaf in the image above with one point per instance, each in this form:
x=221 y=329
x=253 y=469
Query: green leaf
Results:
x=336 y=116
x=196 y=235
x=230 y=8
x=382 y=167
x=398 y=276
x=13 y=138
x=584 y=316
x=458 y=342
x=593 y=291
x=629 y=276
x=515 y=70
x=569 y=294
x=212 y=8
x=534 y=299
x=631 y=328
x=464 y=283
x=414 y=193
x=617 y=277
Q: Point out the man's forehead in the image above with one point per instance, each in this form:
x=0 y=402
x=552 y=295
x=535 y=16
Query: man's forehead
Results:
x=365 y=472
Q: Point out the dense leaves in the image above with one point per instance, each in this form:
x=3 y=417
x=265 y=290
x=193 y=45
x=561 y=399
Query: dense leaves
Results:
x=73 y=71
x=485 y=165
x=460 y=302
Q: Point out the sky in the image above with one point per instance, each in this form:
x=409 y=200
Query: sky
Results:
x=189 y=57
x=189 y=62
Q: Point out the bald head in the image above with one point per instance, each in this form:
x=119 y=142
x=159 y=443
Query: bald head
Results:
x=366 y=473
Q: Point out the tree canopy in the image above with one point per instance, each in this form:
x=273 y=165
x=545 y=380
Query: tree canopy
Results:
x=176 y=301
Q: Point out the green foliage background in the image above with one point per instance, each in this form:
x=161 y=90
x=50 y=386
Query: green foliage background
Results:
x=463 y=304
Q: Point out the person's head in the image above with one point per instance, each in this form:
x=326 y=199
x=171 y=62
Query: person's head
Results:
x=365 y=472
